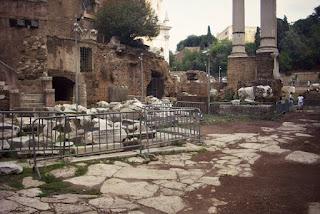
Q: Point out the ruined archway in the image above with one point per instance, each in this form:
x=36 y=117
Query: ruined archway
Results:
x=63 y=89
x=156 y=85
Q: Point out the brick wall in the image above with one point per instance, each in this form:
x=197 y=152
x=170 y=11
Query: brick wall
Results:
x=241 y=69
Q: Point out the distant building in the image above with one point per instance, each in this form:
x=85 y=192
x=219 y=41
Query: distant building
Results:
x=160 y=44
x=250 y=33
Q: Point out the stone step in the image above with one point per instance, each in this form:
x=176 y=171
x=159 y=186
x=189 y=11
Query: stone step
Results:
x=32 y=98
x=33 y=105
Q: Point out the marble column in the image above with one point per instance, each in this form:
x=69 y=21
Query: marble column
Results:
x=268 y=26
x=268 y=42
x=238 y=25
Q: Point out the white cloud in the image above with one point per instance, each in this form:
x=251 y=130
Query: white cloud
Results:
x=193 y=16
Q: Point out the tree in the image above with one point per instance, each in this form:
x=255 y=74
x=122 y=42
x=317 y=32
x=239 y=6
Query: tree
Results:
x=297 y=50
x=251 y=49
x=127 y=19
x=219 y=55
x=282 y=28
x=202 y=41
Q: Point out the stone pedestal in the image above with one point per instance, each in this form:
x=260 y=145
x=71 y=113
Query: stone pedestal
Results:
x=49 y=97
x=14 y=99
x=240 y=69
x=265 y=65
x=46 y=83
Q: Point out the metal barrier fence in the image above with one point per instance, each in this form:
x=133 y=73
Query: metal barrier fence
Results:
x=16 y=130
x=83 y=135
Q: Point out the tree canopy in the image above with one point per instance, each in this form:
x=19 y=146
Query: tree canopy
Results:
x=127 y=19
x=203 y=41
x=298 y=44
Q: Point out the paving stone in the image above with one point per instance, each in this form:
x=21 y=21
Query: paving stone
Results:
x=5 y=194
x=212 y=210
x=67 y=198
x=65 y=172
x=135 y=212
x=109 y=203
x=86 y=180
x=25 y=210
x=103 y=170
x=131 y=189
x=303 y=157
x=34 y=192
x=166 y=204
x=302 y=135
x=120 y=163
x=314 y=208
x=136 y=160
x=217 y=202
x=171 y=192
x=171 y=184
x=145 y=174
x=29 y=182
x=214 y=181
x=274 y=149
x=71 y=208
x=7 y=168
x=7 y=206
x=30 y=202
x=252 y=145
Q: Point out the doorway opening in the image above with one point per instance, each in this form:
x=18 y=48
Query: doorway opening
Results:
x=63 y=89
x=156 y=86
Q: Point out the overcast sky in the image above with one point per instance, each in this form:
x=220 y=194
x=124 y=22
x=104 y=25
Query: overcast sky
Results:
x=193 y=16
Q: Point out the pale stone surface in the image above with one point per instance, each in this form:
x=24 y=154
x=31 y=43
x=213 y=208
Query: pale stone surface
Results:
x=314 y=208
x=7 y=168
x=65 y=172
x=6 y=206
x=145 y=174
x=303 y=157
x=171 y=184
x=252 y=145
x=110 y=203
x=104 y=170
x=30 y=202
x=303 y=135
x=71 y=208
x=274 y=149
x=212 y=210
x=171 y=192
x=67 y=198
x=136 y=160
x=33 y=192
x=166 y=204
x=123 y=188
x=214 y=181
x=86 y=180
x=28 y=182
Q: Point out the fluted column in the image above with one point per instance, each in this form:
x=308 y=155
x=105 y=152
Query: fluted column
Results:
x=238 y=24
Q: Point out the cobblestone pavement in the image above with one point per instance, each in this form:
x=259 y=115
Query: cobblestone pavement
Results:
x=135 y=187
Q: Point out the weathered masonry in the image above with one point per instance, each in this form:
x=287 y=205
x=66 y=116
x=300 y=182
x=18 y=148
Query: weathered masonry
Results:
x=264 y=68
x=41 y=52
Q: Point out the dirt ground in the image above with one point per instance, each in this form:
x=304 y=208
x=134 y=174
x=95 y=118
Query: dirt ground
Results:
x=278 y=187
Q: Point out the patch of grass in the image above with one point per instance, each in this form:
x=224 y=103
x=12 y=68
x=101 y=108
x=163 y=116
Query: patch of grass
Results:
x=15 y=181
x=81 y=170
x=216 y=119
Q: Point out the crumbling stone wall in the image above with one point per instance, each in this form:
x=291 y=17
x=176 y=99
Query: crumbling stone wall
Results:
x=191 y=82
